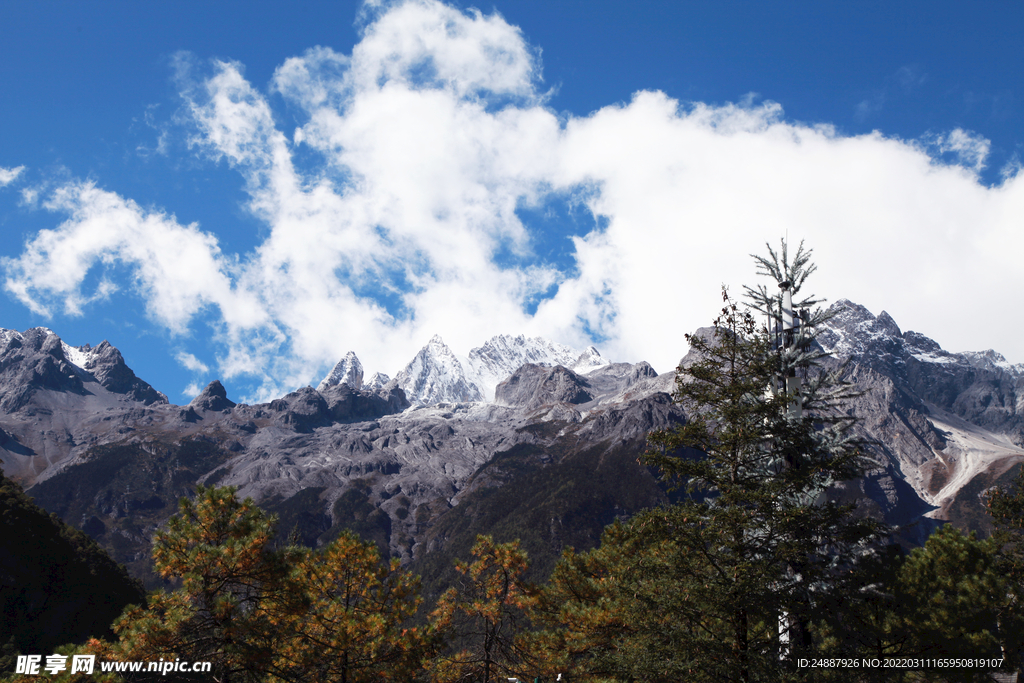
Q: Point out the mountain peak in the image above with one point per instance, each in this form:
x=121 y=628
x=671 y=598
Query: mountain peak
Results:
x=348 y=371
x=591 y=359
x=503 y=354
x=436 y=375
x=39 y=359
x=378 y=380
x=852 y=330
x=213 y=397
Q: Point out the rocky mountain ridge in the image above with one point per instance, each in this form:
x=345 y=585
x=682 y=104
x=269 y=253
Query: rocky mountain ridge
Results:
x=437 y=375
x=950 y=425
x=110 y=455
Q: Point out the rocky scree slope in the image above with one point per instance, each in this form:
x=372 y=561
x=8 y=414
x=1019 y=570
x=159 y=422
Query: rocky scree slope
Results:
x=949 y=425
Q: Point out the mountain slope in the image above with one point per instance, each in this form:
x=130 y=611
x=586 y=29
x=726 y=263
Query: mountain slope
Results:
x=56 y=584
x=421 y=475
x=941 y=420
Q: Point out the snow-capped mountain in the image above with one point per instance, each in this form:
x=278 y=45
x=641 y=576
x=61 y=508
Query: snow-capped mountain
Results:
x=503 y=354
x=878 y=341
x=96 y=441
x=377 y=381
x=942 y=420
x=348 y=371
x=438 y=375
x=591 y=359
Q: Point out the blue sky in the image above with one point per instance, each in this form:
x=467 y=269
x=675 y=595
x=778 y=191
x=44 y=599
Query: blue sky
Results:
x=247 y=191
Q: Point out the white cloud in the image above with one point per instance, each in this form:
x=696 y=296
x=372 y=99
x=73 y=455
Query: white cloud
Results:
x=190 y=362
x=971 y=149
x=8 y=175
x=435 y=130
x=177 y=269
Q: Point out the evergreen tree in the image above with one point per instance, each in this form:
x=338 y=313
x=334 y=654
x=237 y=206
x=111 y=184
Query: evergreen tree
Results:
x=946 y=600
x=1006 y=507
x=237 y=596
x=610 y=614
x=56 y=584
x=727 y=584
x=353 y=631
x=260 y=614
x=950 y=595
x=483 y=617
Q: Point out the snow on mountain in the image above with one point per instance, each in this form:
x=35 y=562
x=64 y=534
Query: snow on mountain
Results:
x=964 y=411
x=436 y=375
x=854 y=332
x=7 y=335
x=991 y=360
x=503 y=354
x=378 y=380
x=79 y=356
x=348 y=371
x=589 y=360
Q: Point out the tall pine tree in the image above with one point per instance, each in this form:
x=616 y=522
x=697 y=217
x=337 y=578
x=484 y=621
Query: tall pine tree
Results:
x=727 y=584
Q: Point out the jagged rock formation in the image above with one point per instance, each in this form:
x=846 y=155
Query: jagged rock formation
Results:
x=348 y=371
x=213 y=398
x=396 y=458
x=941 y=420
x=342 y=451
x=56 y=399
x=438 y=375
x=503 y=354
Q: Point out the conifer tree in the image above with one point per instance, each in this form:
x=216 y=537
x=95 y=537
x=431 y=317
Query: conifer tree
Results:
x=259 y=614
x=1006 y=507
x=354 y=630
x=236 y=595
x=610 y=614
x=727 y=584
x=772 y=544
x=483 y=616
x=950 y=596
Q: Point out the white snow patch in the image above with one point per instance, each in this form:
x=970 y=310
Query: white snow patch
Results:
x=932 y=358
x=588 y=361
x=76 y=355
x=7 y=335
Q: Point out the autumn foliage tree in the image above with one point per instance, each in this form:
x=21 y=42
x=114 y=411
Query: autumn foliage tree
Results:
x=483 y=616
x=354 y=628
x=236 y=594
x=264 y=614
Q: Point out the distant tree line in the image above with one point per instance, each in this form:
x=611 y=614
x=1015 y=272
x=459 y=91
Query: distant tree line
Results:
x=755 y=575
